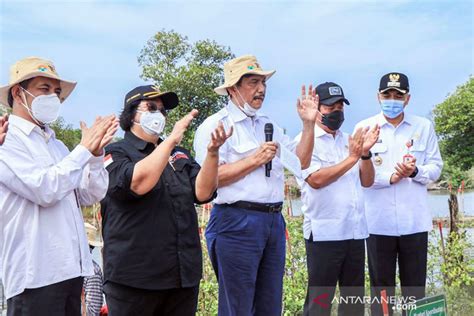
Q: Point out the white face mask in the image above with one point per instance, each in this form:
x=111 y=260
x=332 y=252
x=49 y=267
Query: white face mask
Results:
x=44 y=108
x=247 y=109
x=153 y=123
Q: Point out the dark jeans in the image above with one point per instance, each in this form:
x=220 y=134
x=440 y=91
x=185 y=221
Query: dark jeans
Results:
x=330 y=263
x=247 y=250
x=123 y=300
x=59 y=299
x=411 y=251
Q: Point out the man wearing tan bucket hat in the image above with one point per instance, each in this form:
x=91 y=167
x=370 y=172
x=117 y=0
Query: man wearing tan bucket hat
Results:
x=246 y=231
x=44 y=250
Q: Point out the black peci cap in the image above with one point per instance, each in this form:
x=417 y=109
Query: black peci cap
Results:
x=394 y=80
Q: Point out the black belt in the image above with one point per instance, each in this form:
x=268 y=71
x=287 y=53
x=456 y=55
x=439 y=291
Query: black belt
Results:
x=254 y=206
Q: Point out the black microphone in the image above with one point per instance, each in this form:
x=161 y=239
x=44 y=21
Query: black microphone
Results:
x=268 y=138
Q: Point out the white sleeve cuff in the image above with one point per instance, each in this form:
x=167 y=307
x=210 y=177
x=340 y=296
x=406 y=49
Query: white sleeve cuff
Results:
x=419 y=176
x=305 y=173
x=383 y=178
x=80 y=155
x=97 y=163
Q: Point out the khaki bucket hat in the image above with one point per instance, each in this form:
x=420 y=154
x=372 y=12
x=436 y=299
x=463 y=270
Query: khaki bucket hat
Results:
x=31 y=67
x=235 y=68
x=93 y=235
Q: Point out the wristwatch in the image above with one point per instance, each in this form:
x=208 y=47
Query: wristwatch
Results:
x=366 y=157
x=415 y=172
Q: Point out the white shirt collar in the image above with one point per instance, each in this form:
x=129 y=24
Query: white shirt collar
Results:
x=381 y=120
x=27 y=127
x=237 y=115
x=319 y=132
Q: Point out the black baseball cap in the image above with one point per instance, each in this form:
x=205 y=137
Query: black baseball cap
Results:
x=330 y=93
x=394 y=80
x=170 y=99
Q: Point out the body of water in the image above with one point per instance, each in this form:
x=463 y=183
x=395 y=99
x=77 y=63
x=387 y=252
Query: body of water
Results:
x=437 y=202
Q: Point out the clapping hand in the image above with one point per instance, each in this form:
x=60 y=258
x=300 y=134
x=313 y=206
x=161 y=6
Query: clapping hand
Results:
x=100 y=134
x=356 y=142
x=405 y=169
x=370 y=139
x=3 y=128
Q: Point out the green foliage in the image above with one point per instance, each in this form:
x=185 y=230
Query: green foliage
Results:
x=4 y=109
x=295 y=281
x=453 y=277
x=452 y=273
x=190 y=70
x=208 y=289
x=70 y=136
x=455 y=127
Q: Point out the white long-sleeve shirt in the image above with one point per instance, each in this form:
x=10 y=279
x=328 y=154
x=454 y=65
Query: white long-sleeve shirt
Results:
x=335 y=211
x=42 y=185
x=247 y=137
x=401 y=208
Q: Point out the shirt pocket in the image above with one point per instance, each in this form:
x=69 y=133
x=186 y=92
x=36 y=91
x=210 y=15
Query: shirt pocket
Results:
x=326 y=159
x=180 y=181
x=241 y=151
x=418 y=150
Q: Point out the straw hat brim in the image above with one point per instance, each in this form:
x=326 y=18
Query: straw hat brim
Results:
x=222 y=90
x=93 y=236
x=66 y=86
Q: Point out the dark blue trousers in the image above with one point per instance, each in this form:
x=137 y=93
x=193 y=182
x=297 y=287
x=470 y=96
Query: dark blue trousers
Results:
x=247 y=251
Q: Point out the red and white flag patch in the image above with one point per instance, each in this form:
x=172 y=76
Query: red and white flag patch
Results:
x=108 y=160
x=178 y=155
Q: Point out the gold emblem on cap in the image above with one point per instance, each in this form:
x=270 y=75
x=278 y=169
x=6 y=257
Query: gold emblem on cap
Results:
x=394 y=77
x=378 y=160
x=156 y=88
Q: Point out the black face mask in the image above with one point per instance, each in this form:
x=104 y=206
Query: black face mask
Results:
x=333 y=120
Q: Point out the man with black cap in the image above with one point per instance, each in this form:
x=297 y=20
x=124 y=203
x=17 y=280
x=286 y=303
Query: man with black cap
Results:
x=152 y=250
x=334 y=221
x=406 y=159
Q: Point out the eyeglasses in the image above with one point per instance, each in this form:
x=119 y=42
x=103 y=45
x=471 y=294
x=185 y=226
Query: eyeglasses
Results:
x=154 y=107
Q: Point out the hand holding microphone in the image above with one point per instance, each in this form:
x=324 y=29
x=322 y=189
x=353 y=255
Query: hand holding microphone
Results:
x=267 y=151
x=268 y=138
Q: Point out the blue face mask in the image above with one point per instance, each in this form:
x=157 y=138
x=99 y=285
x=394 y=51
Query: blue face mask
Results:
x=392 y=108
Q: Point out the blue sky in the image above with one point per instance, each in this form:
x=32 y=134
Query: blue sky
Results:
x=352 y=43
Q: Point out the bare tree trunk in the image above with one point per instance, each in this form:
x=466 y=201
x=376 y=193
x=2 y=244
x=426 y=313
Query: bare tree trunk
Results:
x=453 y=212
